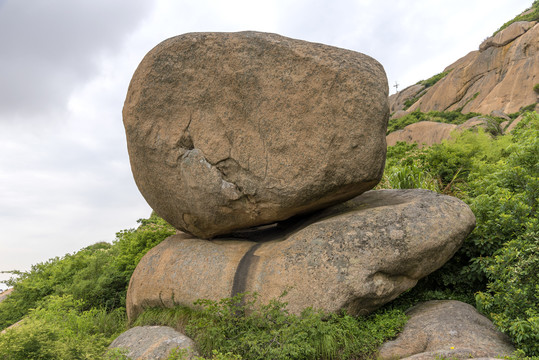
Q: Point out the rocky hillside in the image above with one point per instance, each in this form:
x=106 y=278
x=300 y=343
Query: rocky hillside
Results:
x=501 y=75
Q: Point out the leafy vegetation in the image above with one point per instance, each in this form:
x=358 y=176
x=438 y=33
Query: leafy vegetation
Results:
x=240 y=327
x=499 y=179
x=533 y=15
x=426 y=83
x=73 y=306
x=60 y=329
x=434 y=79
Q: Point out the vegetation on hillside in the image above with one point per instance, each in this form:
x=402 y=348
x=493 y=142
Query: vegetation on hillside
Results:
x=499 y=262
x=448 y=117
x=427 y=84
x=73 y=306
x=242 y=328
x=532 y=15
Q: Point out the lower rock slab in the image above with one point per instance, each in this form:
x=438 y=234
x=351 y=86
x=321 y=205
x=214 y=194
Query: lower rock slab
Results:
x=355 y=256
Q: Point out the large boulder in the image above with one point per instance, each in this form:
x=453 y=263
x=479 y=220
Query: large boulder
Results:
x=153 y=343
x=446 y=330
x=232 y=130
x=356 y=256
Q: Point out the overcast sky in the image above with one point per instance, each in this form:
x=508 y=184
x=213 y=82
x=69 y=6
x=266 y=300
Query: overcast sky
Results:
x=65 y=181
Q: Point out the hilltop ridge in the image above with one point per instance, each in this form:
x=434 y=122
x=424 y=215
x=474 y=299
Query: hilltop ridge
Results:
x=500 y=76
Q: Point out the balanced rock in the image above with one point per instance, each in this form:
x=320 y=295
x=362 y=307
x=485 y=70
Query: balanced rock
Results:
x=446 y=330
x=153 y=343
x=232 y=130
x=356 y=256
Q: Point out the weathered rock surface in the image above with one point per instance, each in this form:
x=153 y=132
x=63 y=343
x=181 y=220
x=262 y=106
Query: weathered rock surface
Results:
x=423 y=133
x=507 y=35
x=5 y=294
x=427 y=133
x=232 y=130
x=153 y=342
x=449 y=330
x=500 y=76
x=357 y=256
x=397 y=100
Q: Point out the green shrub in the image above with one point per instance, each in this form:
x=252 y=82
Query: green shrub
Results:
x=499 y=179
x=532 y=16
x=512 y=296
x=98 y=275
x=239 y=326
x=536 y=88
x=60 y=329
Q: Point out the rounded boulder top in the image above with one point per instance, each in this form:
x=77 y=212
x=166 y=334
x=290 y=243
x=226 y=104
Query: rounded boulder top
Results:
x=227 y=131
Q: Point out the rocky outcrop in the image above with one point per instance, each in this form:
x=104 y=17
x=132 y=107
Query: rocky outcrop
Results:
x=5 y=294
x=232 y=130
x=153 y=342
x=427 y=133
x=446 y=330
x=356 y=256
x=423 y=133
x=500 y=76
x=397 y=100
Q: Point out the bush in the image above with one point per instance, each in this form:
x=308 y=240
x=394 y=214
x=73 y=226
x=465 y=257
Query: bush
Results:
x=499 y=179
x=60 y=329
x=434 y=79
x=97 y=275
x=239 y=326
x=512 y=296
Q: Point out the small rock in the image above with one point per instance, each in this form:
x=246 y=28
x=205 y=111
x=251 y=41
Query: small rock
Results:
x=5 y=294
x=153 y=342
x=500 y=114
x=513 y=124
x=446 y=329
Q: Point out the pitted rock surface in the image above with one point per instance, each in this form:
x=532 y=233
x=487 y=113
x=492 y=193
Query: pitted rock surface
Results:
x=232 y=130
x=356 y=256
x=446 y=330
x=153 y=343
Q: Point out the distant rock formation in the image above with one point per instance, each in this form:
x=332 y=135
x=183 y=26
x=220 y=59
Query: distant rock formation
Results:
x=427 y=133
x=354 y=256
x=5 y=294
x=446 y=330
x=232 y=130
x=501 y=76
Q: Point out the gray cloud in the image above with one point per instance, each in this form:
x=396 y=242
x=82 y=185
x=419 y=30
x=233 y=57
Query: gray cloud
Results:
x=50 y=47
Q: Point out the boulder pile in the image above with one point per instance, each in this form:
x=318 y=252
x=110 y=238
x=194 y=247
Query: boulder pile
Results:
x=261 y=150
